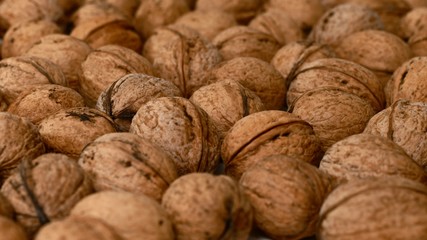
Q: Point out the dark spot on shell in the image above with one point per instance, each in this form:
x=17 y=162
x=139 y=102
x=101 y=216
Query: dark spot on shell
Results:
x=82 y=116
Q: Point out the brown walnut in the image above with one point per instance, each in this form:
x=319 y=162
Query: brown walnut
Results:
x=11 y=230
x=242 y=10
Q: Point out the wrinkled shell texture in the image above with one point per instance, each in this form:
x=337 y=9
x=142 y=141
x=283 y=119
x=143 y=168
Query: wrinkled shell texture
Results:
x=154 y=14
x=243 y=41
x=95 y=10
x=267 y=133
x=226 y=102
x=343 y=20
x=125 y=161
x=414 y=22
x=75 y=227
x=373 y=209
x=19 y=139
x=20 y=37
x=65 y=51
x=404 y=123
x=126 y=7
x=179 y=54
x=6 y=208
x=256 y=75
x=54 y=194
x=242 y=10
x=204 y=206
x=366 y=155
x=107 y=64
x=341 y=74
x=132 y=216
x=69 y=131
x=183 y=130
x=207 y=23
x=20 y=73
x=125 y=96
x=281 y=26
x=408 y=82
x=289 y=208
x=44 y=100
x=334 y=114
x=10 y=230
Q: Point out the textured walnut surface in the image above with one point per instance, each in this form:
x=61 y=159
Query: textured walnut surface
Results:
x=10 y=230
x=242 y=10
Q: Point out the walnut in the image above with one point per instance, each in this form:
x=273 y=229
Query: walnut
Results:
x=242 y=10
x=208 y=23
x=95 y=10
x=343 y=20
x=226 y=102
x=154 y=14
x=365 y=156
x=286 y=195
x=132 y=216
x=342 y=74
x=127 y=162
x=125 y=96
x=68 y=131
x=41 y=101
x=407 y=82
x=20 y=73
x=267 y=133
x=10 y=230
x=126 y=7
x=65 y=51
x=256 y=75
x=6 y=208
x=19 y=139
x=3 y=102
x=383 y=55
x=243 y=41
x=333 y=113
x=375 y=209
x=179 y=54
x=404 y=123
x=183 y=130
x=204 y=206
x=414 y=22
x=40 y=192
x=416 y=3
x=76 y=227
x=279 y=25
x=21 y=36
x=107 y=64
x=306 y=12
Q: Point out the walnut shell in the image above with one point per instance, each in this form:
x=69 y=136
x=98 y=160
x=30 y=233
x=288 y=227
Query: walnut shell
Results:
x=6 y=208
x=65 y=51
x=154 y=14
x=77 y=227
x=286 y=195
x=41 y=101
x=126 y=7
x=256 y=75
x=341 y=74
x=226 y=102
x=343 y=20
x=20 y=73
x=95 y=10
x=408 y=82
x=418 y=44
x=416 y=3
x=306 y=13
x=108 y=30
x=207 y=23
x=266 y=133
x=334 y=114
x=19 y=139
x=68 y=131
x=242 y=10
x=243 y=41
x=204 y=206
x=10 y=230
x=125 y=96
x=3 y=102
x=107 y=64
x=21 y=36
x=376 y=50
x=125 y=161
x=414 y=22
x=279 y=25
x=179 y=54
x=133 y=216
x=404 y=123
x=365 y=156
x=183 y=130
x=45 y=188
x=385 y=208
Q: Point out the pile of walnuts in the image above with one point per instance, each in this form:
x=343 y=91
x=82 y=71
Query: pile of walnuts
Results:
x=213 y=119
